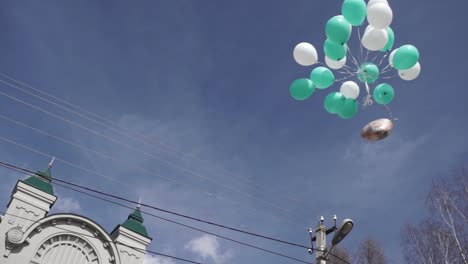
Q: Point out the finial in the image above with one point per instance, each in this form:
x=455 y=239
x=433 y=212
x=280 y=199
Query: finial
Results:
x=51 y=162
x=139 y=203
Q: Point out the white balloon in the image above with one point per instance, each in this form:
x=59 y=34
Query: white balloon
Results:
x=350 y=90
x=372 y=2
x=411 y=73
x=305 y=54
x=335 y=64
x=374 y=39
x=390 y=58
x=379 y=15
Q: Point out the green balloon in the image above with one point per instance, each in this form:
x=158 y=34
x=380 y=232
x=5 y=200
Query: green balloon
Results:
x=335 y=51
x=322 y=77
x=383 y=93
x=349 y=109
x=368 y=72
x=405 y=57
x=301 y=89
x=333 y=102
x=338 y=29
x=354 y=11
x=391 y=40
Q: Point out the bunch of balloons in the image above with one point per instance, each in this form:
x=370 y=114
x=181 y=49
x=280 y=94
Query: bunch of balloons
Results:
x=378 y=37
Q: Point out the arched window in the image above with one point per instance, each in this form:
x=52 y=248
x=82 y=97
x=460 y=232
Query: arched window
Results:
x=65 y=248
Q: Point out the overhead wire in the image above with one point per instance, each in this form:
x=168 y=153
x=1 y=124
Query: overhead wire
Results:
x=104 y=240
x=117 y=197
x=146 y=153
x=63 y=184
x=29 y=172
x=123 y=131
x=338 y=257
x=89 y=130
x=59 y=159
x=149 y=172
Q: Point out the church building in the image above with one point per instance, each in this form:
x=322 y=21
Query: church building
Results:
x=29 y=235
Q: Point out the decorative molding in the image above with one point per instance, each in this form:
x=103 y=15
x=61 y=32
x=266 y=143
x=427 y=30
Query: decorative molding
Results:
x=14 y=238
x=129 y=254
x=15 y=235
x=20 y=212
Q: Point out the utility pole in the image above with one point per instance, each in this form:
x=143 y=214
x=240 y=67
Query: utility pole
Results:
x=320 y=238
x=320 y=242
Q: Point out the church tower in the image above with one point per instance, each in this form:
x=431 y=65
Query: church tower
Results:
x=31 y=200
x=131 y=238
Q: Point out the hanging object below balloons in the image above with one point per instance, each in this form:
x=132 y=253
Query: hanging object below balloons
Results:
x=377 y=129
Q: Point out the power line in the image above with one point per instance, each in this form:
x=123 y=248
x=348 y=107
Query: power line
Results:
x=187 y=226
x=196 y=219
x=103 y=240
x=154 y=207
x=145 y=152
x=107 y=156
x=29 y=172
x=71 y=143
x=83 y=116
x=58 y=159
x=96 y=122
x=339 y=258
x=127 y=132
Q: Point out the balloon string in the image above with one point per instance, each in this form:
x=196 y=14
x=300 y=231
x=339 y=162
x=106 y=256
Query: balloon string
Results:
x=354 y=59
x=381 y=61
x=390 y=113
x=386 y=67
x=367 y=86
x=360 y=42
x=348 y=71
x=367 y=101
x=373 y=59
x=385 y=71
x=347 y=67
x=367 y=55
x=342 y=79
x=343 y=72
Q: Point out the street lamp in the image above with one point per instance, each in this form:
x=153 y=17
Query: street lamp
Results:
x=321 y=241
x=343 y=231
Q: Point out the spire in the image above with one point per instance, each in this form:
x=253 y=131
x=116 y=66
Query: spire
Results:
x=139 y=203
x=47 y=172
x=134 y=222
x=41 y=180
x=51 y=162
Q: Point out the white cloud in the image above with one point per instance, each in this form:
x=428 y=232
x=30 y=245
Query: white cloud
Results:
x=207 y=247
x=157 y=260
x=67 y=204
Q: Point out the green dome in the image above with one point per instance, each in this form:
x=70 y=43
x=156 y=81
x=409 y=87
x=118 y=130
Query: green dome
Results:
x=41 y=181
x=135 y=223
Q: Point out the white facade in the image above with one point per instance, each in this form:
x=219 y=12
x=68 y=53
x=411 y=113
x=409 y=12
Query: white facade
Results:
x=28 y=235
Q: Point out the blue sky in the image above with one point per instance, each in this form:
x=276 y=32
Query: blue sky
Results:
x=210 y=81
